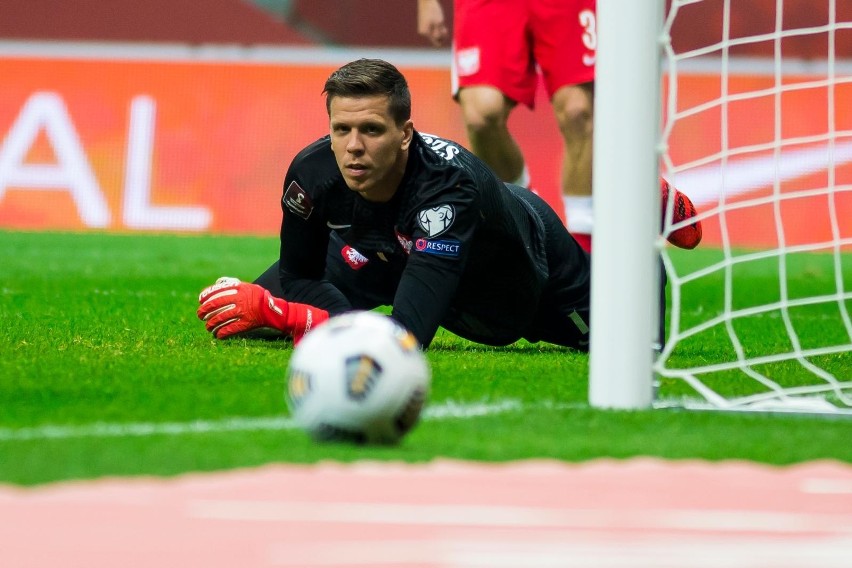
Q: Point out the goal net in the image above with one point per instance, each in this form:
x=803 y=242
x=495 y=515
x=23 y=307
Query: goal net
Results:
x=756 y=127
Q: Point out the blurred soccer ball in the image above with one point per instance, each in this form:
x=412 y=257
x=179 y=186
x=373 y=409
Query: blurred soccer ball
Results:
x=360 y=377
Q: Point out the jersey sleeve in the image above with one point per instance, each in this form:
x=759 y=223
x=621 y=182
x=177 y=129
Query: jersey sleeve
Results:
x=443 y=230
x=304 y=243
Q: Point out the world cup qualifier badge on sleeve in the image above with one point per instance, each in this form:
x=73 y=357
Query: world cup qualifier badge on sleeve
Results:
x=296 y=200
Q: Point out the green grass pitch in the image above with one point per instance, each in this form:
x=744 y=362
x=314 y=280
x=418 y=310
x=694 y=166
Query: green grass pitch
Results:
x=105 y=370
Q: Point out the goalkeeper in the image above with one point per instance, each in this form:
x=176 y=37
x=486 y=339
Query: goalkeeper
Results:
x=379 y=214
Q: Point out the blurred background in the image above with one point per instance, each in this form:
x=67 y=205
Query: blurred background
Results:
x=183 y=115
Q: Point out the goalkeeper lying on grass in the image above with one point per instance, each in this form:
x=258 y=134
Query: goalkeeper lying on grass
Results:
x=379 y=214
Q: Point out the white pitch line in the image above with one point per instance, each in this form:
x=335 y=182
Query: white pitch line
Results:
x=445 y=411
x=131 y=429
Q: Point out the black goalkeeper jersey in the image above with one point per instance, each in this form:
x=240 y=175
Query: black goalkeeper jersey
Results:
x=455 y=246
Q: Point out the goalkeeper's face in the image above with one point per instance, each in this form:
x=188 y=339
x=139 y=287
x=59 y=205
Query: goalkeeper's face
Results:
x=371 y=149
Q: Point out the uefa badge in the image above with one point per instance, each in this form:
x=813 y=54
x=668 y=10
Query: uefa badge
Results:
x=436 y=220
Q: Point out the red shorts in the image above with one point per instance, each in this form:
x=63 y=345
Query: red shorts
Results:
x=504 y=43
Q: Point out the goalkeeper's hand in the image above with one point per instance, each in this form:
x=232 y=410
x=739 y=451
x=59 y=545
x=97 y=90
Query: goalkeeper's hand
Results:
x=230 y=307
x=688 y=236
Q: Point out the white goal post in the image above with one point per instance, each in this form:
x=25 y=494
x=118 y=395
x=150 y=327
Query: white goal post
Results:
x=805 y=163
x=625 y=170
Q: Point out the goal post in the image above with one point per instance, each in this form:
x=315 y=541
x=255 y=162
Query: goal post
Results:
x=625 y=271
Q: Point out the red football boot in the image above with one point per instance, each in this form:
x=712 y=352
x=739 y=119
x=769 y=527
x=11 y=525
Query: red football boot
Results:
x=686 y=237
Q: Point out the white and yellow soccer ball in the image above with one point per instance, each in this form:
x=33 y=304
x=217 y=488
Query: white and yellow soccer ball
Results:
x=360 y=377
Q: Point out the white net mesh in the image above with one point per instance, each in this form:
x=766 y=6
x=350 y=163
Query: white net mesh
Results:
x=758 y=132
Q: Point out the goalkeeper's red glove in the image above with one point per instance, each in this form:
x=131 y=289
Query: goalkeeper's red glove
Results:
x=230 y=307
x=686 y=237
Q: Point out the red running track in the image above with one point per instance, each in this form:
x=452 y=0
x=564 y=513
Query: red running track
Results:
x=604 y=513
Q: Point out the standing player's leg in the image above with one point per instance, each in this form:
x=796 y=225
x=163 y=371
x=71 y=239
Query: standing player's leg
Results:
x=573 y=105
x=564 y=45
x=493 y=71
x=485 y=111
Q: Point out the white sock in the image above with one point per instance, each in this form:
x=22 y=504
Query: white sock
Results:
x=578 y=213
x=524 y=179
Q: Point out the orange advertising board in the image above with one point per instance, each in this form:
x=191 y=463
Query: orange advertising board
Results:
x=174 y=146
x=203 y=146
